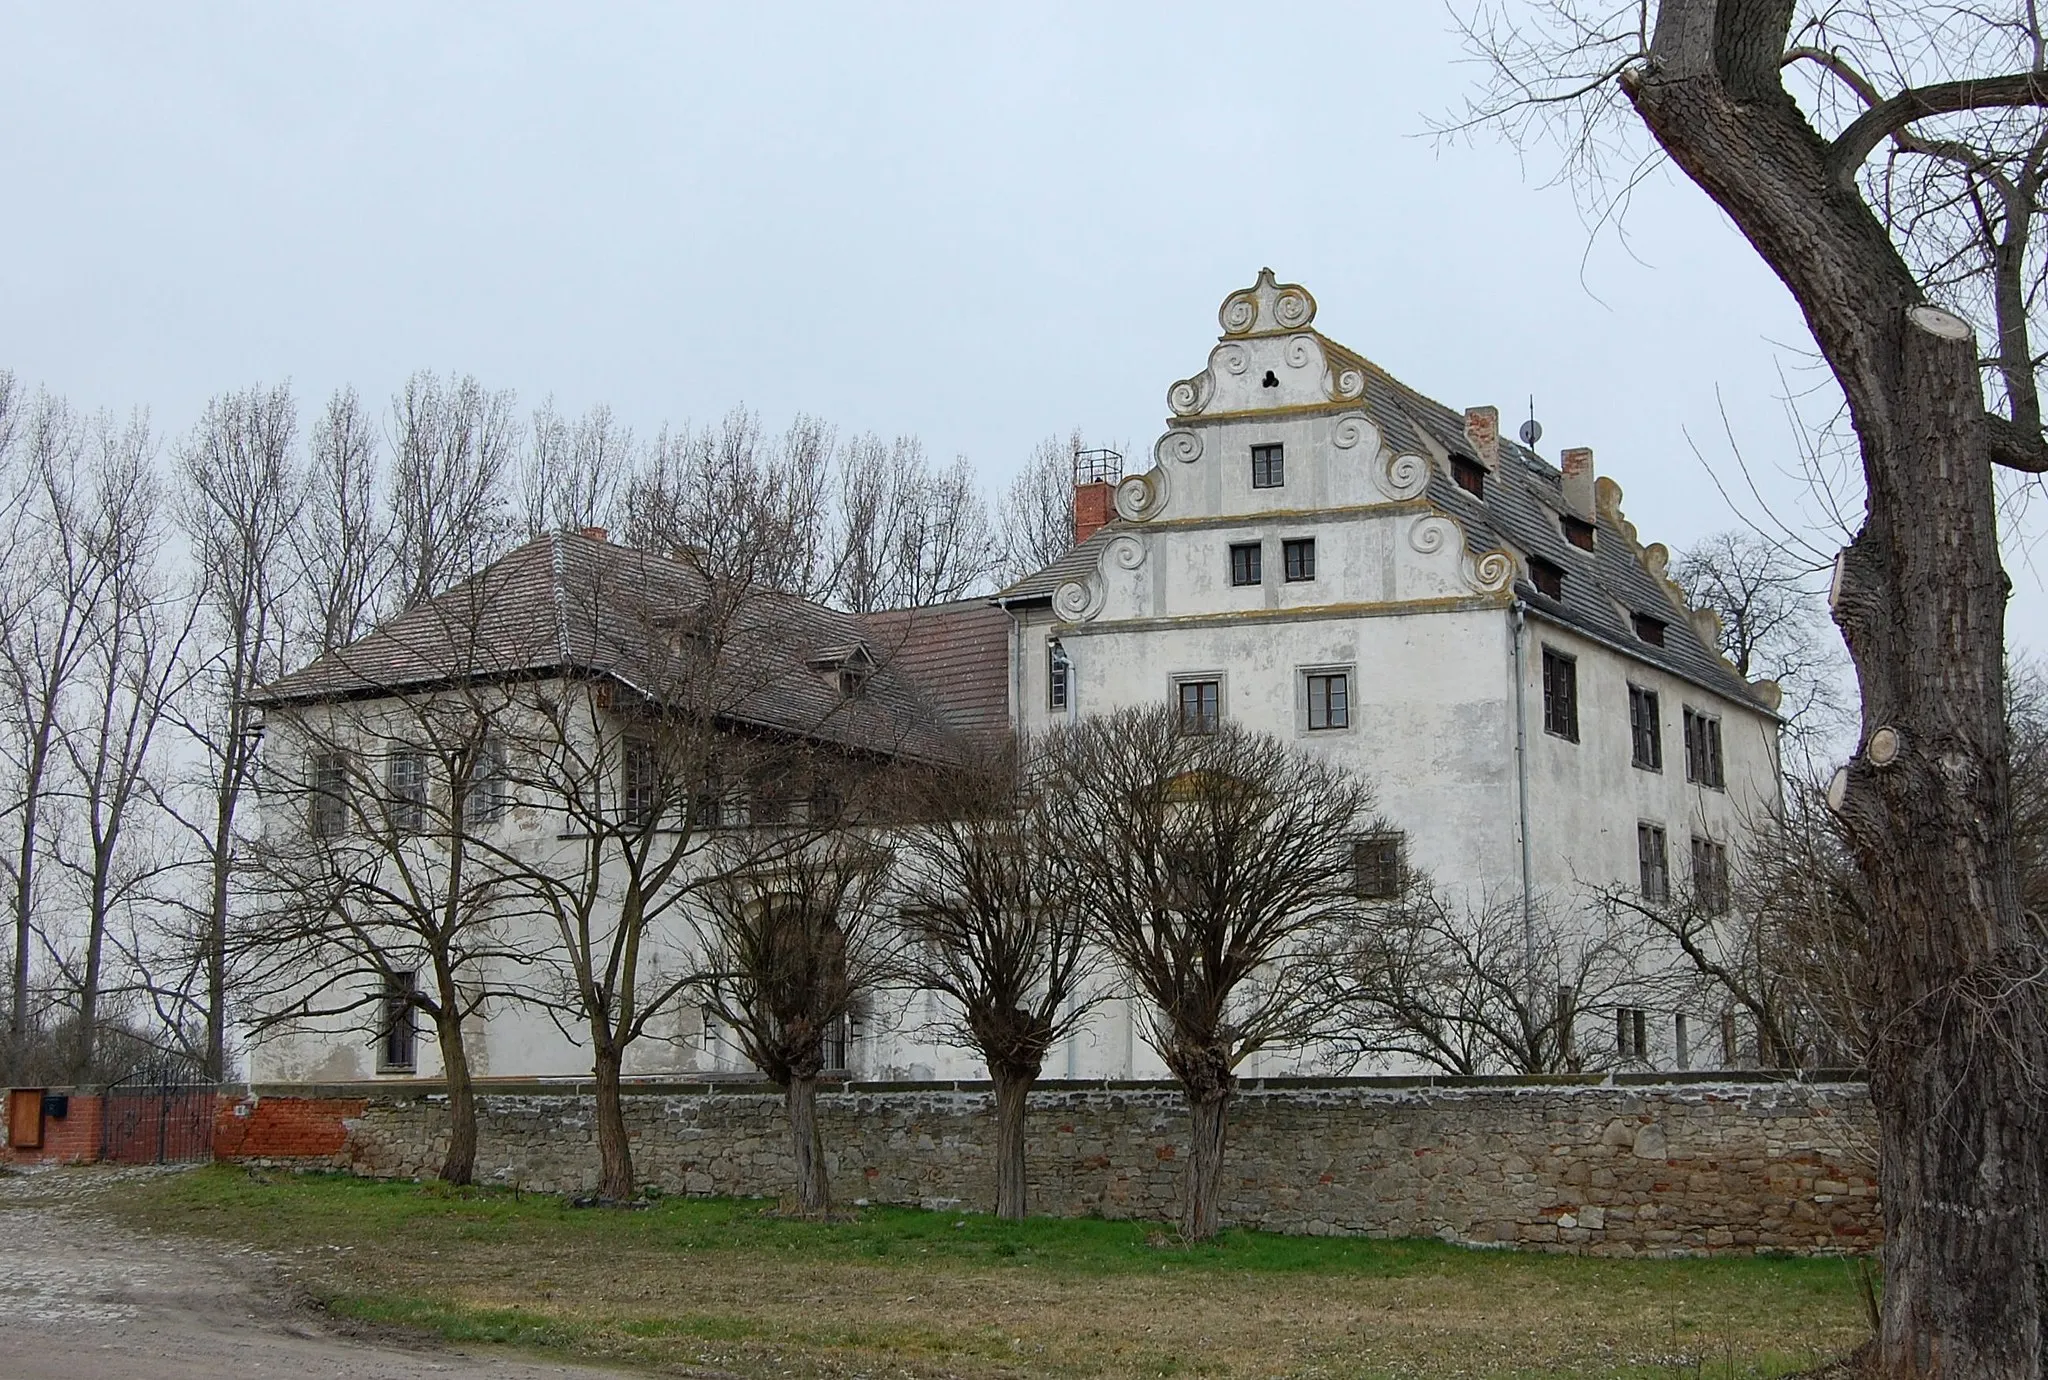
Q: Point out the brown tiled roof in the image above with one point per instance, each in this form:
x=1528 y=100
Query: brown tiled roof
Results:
x=958 y=654
x=570 y=604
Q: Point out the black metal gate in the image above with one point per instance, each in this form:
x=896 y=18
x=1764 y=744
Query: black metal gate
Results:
x=161 y=1113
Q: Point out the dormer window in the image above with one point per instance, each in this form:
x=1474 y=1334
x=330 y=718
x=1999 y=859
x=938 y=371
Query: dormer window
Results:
x=852 y=680
x=1469 y=475
x=1577 y=531
x=1648 y=629
x=1269 y=467
x=1548 y=577
x=850 y=667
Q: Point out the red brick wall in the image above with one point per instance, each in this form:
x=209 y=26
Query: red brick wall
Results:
x=282 y=1128
x=72 y=1139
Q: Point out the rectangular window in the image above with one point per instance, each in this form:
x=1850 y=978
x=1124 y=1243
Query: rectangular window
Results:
x=1631 y=1032
x=327 y=815
x=1329 y=699
x=1710 y=875
x=484 y=800
x=1300 y=556
x=1578 y=532
x=1646 y=729
x=838 y=1036
x=1469 y=475
x=1703 y=750
x=1729 y=1053
x=1650 y=630
x=405 y=782
x=1056 y=668
x=1201 y=705
x=401 y=1023
x=707 y=802
x=1269 y=467
x=1376 y=866
x=1560 y=694
x=1653 y=863
x=1245 y=563
x=1547 y=576
x=641 y=787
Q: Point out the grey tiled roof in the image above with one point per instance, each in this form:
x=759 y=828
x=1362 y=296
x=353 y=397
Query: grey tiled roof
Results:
x=567 y=603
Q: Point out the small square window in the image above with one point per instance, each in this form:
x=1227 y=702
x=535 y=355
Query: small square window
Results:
x=1652 y=863
x=1577 y=531
x=1646 y=729
x=1269 y=467
x=1560 y=694
x=1245 y=568
x=1703 y=762
x=1300 y=558
x=1648 y=629
x=1547 y=576
x=1376 y=866
x=1201 y=705
x=1329 y=699
x=1469 y=475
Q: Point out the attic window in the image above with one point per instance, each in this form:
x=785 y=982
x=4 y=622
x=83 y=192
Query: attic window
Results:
x=1650 y=630
x=852 y=680
x=1469 y=475
x=1577 y=531
x=1547 y=577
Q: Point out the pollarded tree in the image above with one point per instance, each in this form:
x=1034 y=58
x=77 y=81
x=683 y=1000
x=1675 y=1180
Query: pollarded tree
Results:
x=988 y=924
x=1887 y=161
x=790 y=950
x=1215 y=867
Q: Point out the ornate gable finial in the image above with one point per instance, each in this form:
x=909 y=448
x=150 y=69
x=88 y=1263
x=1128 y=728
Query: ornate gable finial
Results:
x=1265 y=307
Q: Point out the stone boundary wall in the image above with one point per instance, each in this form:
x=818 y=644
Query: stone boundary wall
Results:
x=1621 y=1167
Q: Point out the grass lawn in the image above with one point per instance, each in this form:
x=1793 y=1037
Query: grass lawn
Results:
x=727 y=1285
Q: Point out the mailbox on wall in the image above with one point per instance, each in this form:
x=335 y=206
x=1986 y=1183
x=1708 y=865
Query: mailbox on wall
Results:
x=25 y=1119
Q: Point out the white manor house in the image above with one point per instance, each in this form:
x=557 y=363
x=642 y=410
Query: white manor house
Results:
x=1317 y=552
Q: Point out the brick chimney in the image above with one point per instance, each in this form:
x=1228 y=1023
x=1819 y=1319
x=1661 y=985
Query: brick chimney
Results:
x=597 y=533
x=1094 y=506
x=1577 y=465
x=1482 y=430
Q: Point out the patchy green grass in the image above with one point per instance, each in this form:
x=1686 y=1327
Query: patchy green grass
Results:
x=731 y=1285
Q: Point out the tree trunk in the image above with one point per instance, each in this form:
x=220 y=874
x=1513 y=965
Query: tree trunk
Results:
x=614 y=1153
x=1013 y=1095
x=1920 y=598
x=458 y=1166
x=1201 y=1208
x=813 y=1189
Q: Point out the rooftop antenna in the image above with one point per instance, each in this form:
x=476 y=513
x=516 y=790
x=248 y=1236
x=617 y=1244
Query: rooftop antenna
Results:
x=1532 y=430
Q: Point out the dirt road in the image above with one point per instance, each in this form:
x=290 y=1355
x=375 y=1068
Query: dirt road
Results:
x=83 y=1300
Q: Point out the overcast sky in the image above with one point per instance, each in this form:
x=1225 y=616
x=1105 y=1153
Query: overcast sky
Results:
x=980 y=224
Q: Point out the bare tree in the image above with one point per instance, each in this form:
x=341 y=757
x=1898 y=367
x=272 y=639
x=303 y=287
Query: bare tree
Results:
x=988 y=926
x=1038 y=509
x=1771 y=626
x=454 y=446
x=240 y=502
x=908 y=534
x=1215 y=867
x=1451 y=985
x=574 y=476
x=343 y=546
x=1883 y=159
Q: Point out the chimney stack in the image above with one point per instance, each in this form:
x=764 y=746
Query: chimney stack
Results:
x=1094 y=506
x=597 y=533
x=1482 y=430
x=1577 y=465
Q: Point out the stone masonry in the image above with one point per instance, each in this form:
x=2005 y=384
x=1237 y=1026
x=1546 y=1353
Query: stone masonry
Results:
x=1612 y=1168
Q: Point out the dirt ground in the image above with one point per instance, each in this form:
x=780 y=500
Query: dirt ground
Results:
x=80 y=1297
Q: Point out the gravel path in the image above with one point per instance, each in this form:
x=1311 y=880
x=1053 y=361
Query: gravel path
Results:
x=81 y=1298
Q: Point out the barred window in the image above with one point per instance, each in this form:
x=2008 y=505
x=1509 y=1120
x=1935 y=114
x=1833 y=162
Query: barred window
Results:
x=1646 y=729
x=1560 y=694
x=1376 y=866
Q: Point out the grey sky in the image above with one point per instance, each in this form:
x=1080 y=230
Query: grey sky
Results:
x=980 y=224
